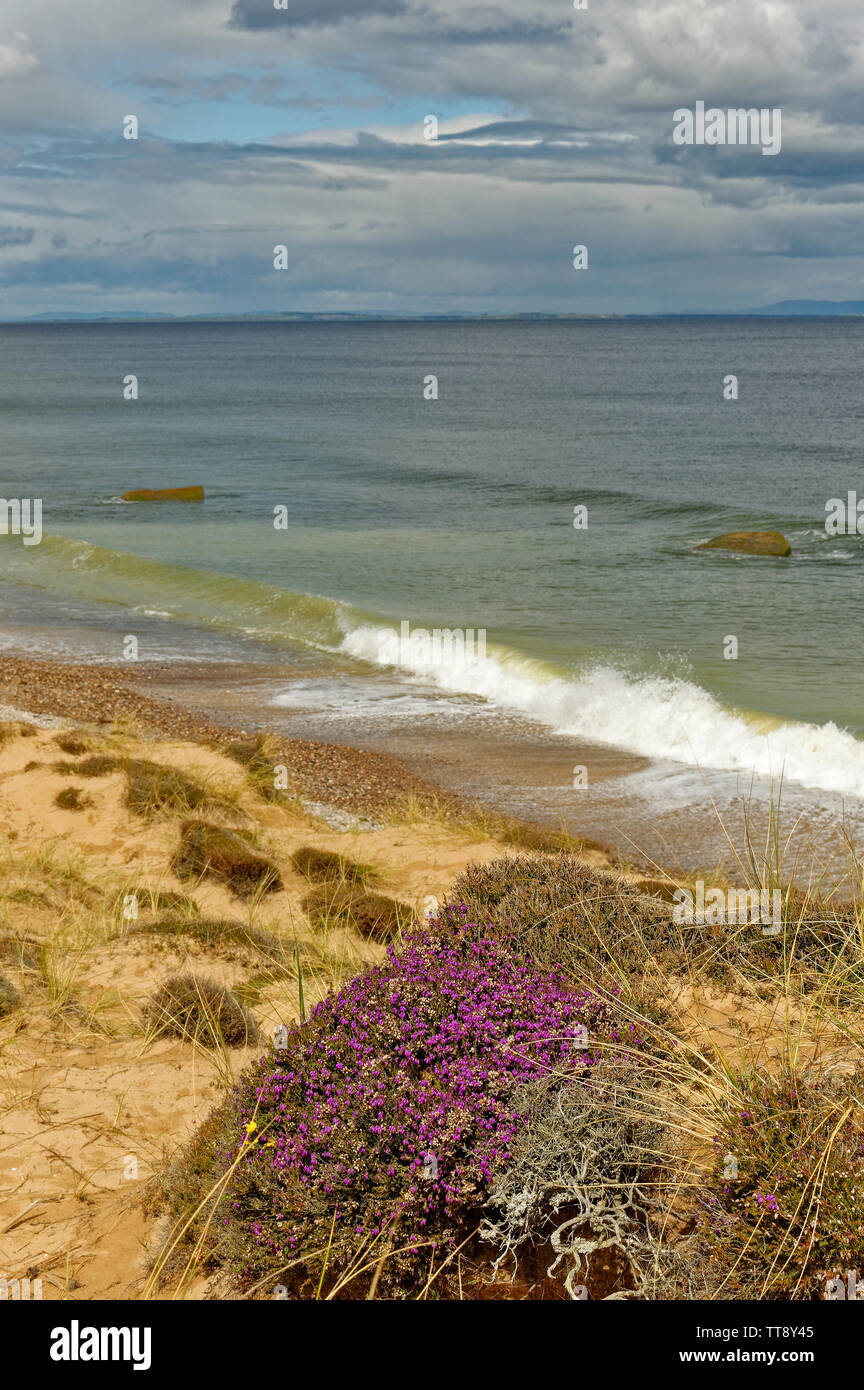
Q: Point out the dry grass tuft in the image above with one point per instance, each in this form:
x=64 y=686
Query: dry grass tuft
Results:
x=73 y=799
x=158 y=900
x=260 y=757
x=152 y=788
x=97 y=765
x=199 y=1010
x=74 y=742
x=9 y=997
x=325 y=866
x=373 y=916
x=213 y=931
x=228 y=855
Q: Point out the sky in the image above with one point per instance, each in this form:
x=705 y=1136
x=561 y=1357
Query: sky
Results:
x=305 y=126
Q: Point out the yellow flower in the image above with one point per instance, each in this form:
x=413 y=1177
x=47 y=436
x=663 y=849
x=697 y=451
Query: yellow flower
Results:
x=251 y=1127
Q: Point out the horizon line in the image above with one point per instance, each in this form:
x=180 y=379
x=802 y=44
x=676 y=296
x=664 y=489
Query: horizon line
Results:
x=779 y=309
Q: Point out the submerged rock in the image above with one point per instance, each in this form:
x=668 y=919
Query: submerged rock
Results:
x=750 y=543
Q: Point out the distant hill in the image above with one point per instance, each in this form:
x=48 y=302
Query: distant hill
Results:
x=92 y=318
x=784 y=308
x=826 y=307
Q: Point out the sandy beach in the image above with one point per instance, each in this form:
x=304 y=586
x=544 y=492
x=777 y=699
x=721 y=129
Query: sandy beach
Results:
x=90 y=1113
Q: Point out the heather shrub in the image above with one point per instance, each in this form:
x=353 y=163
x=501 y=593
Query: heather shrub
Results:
x=601 y=928
x=781 y=1212
x=380 y=1125
x=199 y=1010
x=558 y=911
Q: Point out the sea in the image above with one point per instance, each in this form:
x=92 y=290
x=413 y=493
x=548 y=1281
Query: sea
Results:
x=543 y=485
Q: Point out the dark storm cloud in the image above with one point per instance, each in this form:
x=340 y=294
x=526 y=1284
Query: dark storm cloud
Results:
x=487 y=24
x=16 y=236
x=300 y=14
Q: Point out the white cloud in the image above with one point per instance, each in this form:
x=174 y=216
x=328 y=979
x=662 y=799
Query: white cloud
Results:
x=17 y=58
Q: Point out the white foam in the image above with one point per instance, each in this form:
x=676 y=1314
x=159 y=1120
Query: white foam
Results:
x=657 y=717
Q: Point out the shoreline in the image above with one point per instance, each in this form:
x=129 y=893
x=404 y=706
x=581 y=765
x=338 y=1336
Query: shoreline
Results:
x=350 y=779
x=645 y=816
x=345 y=786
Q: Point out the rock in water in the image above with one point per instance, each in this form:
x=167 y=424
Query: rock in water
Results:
x=165 y=494
x=750 y=543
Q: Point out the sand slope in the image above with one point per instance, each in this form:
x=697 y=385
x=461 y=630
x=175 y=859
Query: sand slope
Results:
x=90 y=1105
